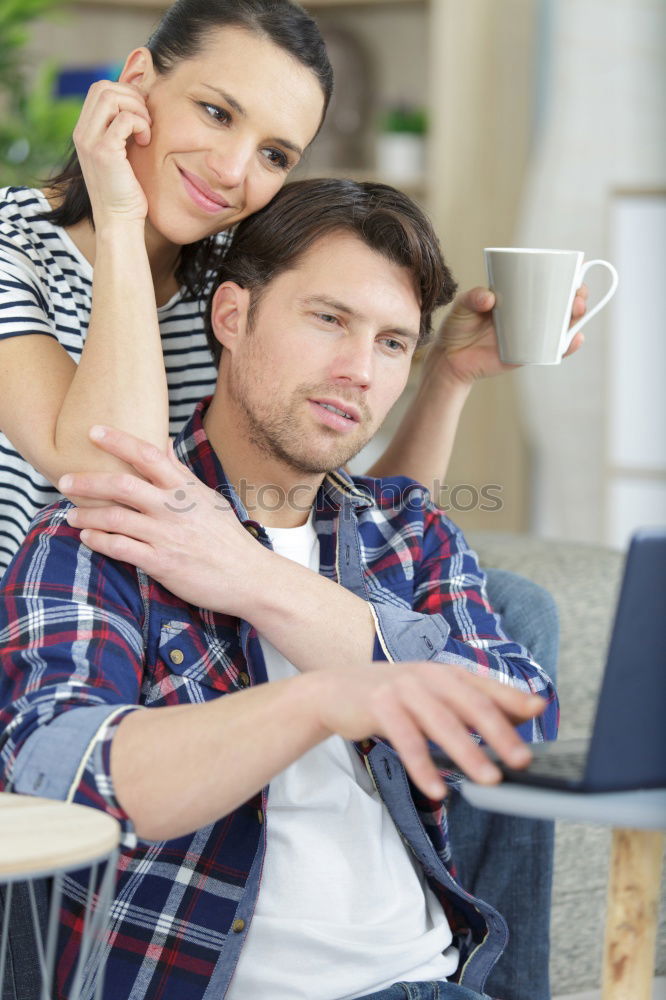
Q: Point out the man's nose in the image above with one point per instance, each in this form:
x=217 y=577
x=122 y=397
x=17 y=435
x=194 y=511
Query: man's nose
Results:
x=354 y=363
x=230 y=161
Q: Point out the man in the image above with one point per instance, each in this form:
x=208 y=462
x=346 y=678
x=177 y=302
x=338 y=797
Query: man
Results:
x=273 y=845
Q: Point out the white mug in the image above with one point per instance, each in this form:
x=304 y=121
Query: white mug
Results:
x=534 y=293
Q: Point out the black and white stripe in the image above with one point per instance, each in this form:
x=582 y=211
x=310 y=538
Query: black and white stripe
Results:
x=45 y=288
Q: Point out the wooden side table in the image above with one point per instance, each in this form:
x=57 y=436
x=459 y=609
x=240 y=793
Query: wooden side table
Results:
x=638 y=820
x=44 y=838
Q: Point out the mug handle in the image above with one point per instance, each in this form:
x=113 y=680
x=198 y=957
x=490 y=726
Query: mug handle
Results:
x=588 y=316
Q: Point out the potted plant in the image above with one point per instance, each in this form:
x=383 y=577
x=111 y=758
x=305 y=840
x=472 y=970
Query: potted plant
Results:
x=401 y=144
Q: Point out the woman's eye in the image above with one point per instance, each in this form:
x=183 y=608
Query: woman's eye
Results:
x=276 y=158
x=219 y=114
x=327 y=318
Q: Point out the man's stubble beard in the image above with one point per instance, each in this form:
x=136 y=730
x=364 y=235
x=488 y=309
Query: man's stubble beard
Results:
x=275 y=432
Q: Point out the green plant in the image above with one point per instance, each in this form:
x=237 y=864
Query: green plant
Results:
x=35 y=126
x=402 y=118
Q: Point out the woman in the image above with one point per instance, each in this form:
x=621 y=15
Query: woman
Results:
x=186 y=144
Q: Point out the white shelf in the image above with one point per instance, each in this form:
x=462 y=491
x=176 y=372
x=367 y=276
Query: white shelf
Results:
x=311 y=5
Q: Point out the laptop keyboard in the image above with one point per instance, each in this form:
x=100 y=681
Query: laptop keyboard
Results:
x=569 y=766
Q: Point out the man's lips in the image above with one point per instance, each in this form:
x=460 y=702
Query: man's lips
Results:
x=201 y=193
x=347 y=418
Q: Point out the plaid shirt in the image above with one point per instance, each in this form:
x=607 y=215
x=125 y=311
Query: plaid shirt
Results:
x=85 y=640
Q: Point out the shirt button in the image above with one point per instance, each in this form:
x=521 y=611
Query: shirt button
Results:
x=238 y=926
x=244 y=679
x=252 y=530
x=366 y=745
x=176 y=656
x=260 y=816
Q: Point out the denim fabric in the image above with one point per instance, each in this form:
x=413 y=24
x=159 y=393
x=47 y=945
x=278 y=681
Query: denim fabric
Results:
x=425 y=991
x=486 y=845
x=22 y=979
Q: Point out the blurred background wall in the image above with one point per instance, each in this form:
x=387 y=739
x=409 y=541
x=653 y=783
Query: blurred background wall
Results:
x=514 y=122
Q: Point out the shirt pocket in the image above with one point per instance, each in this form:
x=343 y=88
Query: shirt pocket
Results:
x=192 y=664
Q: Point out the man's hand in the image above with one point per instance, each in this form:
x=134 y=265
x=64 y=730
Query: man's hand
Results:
x=260 y=731
x=466 y=344
x=166 y=522
x=411 y=703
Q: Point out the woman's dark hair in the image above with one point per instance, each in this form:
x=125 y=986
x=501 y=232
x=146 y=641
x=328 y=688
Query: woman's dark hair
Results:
x=274 y=239
x=181 y=34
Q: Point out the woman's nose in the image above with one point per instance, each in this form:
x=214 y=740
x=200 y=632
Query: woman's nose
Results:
x=231 y=161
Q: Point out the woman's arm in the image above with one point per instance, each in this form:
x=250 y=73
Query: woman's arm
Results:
x=464 y=350
x=47 y=402
x=121 y=371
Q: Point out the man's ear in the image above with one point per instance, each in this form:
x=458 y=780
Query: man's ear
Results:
x=139 y=70
x=228 y=315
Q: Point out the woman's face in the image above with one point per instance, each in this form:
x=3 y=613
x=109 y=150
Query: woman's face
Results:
x=228 y=126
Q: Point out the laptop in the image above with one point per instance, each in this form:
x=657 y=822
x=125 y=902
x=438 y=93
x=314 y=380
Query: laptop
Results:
x=627 y=748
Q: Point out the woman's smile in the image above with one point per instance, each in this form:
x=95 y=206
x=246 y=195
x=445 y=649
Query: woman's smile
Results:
x=201 y=194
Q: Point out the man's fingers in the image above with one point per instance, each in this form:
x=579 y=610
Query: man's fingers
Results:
x=496 y=730
x=146 y=458
x=491 y=710
x=446 y=726
x=518 y=705
x=477 y=299
x=409 y=743
x=575 y=344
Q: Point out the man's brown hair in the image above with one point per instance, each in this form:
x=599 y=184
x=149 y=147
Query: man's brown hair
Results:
x=274 y=239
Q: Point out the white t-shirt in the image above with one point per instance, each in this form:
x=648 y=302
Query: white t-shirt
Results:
x=45 y=288
x=343 y=908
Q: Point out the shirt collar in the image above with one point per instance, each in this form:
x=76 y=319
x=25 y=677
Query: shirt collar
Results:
x=194 y=449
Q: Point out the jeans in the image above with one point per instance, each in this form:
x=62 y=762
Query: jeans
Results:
x=425 y=991
x=486 y=849
x=508 y=860
x=23 y=978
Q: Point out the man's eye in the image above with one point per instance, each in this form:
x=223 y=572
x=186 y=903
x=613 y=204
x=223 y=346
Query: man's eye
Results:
x=327 y=318
x=395 y=346
x=276 y=158
x=218 y=114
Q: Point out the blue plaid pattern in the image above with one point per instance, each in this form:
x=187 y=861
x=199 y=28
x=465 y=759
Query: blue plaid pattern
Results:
x=85 y=640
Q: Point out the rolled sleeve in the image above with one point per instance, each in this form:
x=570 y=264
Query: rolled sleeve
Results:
x=71 y=666
x=402 y=634
x=70 y=759
x=451 y=620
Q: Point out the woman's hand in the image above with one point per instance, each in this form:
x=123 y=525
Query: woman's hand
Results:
x=168 y=523
x=466 y=344
x=112 y=115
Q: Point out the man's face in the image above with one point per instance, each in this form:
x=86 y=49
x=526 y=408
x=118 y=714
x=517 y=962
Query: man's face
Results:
x=327 y=355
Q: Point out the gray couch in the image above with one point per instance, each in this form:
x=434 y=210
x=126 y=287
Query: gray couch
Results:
x=584 y=581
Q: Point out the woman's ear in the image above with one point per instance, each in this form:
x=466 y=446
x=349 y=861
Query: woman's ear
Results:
x=139 y=70
x=228 y=316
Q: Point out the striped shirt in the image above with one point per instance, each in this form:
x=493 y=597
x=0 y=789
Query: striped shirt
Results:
x=85 y=640
x=45 y=288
